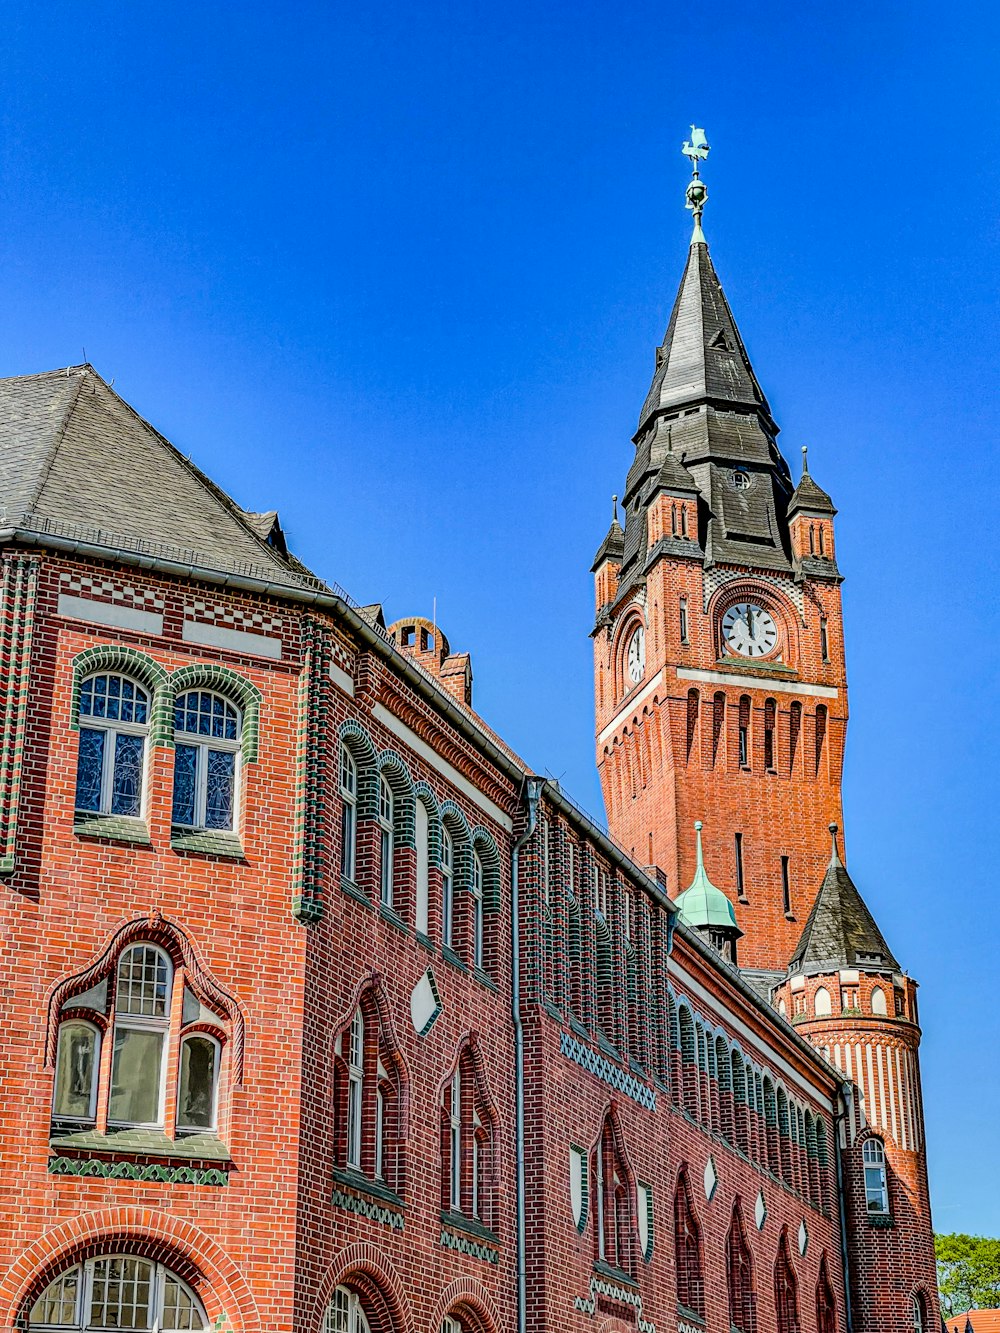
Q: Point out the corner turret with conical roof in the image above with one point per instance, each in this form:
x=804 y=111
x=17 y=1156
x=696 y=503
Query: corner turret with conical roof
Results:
x=707 y=910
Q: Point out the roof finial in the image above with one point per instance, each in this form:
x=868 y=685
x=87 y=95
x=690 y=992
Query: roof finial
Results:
x=700 y=862
x=614 y=509
x=697 y=150
x=834 y=849
x=805 y=460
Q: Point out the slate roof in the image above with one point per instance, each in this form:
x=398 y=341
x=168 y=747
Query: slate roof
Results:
x=840 y=931
x=612 y=546
x=807 y=495
x=76 y=460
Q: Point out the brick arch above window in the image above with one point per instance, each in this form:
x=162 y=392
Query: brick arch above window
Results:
x=392 y=767
x=156 y=930
x=140 y=667
x=468 y=1301
x=356 y=739
x=232 y=686
x=425 y=795
x=484 y=844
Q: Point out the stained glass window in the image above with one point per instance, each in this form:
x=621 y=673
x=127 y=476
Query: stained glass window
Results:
x=112 y=745
x=208 y=729
x=118 y=1292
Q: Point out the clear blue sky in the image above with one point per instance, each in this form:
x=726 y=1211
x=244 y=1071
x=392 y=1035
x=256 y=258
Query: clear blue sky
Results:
x=398 y=270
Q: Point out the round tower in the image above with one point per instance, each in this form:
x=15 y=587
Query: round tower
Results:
x=846 y=994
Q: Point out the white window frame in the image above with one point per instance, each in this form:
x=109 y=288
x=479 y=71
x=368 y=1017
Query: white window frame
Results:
x=344 y=1313
x=917 y=1312
x=873 y=1160
x=203 y=744
x=85 y=1292
x=477 y=1164
x=386 y=811
x=380 y=1123
x=214 y=1118
x=421 y=837
x=349 y=815
x=476 y=889
x=450 y=1325
x=143 y=1023
x=111 y=727
x=455 y=1141
x=599 y=1200
x=95 y=1080
x=447 y=887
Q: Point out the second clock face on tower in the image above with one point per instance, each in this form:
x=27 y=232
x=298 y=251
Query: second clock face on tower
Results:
x=749 y=631
x=636 y=656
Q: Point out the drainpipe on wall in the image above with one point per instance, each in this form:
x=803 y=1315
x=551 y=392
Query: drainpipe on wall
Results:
x=533 y=792
x=846 y=1096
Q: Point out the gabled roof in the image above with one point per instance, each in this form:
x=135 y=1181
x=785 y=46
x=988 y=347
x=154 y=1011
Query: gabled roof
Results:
x=974 y=1321
x=76 y=460
x=702 y=354
x=840 y=931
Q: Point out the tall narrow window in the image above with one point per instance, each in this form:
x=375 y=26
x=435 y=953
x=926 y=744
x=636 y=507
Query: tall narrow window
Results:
x=467 y=1146
x=684 y=520
x=692 y=720
x=718 y=722
x=876 y=1188
x=114 y=717
x=786 y=888
x=918 y=1312
x=380 y=1122
x=739 y=1277
x=421 y=839
x=355 y=1088
x=196 y=1088
x=822 y=1003
x=77 y=1063
x=385 y=813
x=477 y=911
x=794 y=731
x=824 y=640
x=142 y=1017
x=769 y=721
x=745 y=731
x=687 y=1243
x=822 y=543
x=826 y=1309
x=683 y=619
x=820 y=734
x=812 y=538
x=348 y=813
x=613 y=1214
x=447 y=887
x=206 y=756
x=740 y=885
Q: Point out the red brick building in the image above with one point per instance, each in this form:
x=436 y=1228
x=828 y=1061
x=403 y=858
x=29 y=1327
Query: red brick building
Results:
x=324 y=1013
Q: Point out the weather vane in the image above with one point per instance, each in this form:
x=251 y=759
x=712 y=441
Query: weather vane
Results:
x=697 y=149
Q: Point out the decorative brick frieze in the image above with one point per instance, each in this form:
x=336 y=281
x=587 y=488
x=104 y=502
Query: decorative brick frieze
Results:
x=18 y=597
x=309 y=855
x=153 y=1172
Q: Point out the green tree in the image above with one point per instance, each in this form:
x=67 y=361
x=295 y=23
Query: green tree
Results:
x=968 y=1269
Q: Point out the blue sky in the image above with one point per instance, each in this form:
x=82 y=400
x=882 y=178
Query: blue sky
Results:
x=399 y=271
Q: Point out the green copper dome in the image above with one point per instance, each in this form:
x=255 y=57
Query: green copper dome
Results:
x=702 y=905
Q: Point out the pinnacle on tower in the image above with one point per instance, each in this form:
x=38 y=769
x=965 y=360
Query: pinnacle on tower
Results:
x=840 y=931
x=707 y=909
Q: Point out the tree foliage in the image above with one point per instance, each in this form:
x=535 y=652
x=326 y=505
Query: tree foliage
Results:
x=968 y=1270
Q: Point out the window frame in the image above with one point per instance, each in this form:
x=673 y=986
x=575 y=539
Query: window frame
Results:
x=95 y=1073
x=348 y=787
x=355 y=1320
x=385 y=818
x=111 y=728
x=476 y=923
x=873 y=1160
x=84 y=1299
x=204 y=745
x=447 y=867
x=126 y=1021
x=355 y=1062
x=186 y=1036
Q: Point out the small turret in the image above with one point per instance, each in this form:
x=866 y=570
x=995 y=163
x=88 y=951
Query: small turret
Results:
x=707 y=909
x=423 y=641
x=608 y=562
x=810 y=527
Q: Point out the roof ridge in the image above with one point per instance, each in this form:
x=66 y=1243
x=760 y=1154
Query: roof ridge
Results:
x=72 y=399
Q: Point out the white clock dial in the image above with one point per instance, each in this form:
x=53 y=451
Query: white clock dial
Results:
x=749 y=630
x=637 y=655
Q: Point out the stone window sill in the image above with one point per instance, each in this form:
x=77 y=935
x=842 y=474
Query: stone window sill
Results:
x=485 y=979
x=207 y=842
x=689 y=1316
x=362 y=1184
x=394 y=919
x=881 y=1221
x=615 y=1274
x=471 y=1227
x=349 y=887
x=450 y=956
x=112 y=828
x=152 y=1143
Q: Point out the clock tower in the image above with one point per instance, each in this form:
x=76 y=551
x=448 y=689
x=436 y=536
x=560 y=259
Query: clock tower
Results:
x=719 y=665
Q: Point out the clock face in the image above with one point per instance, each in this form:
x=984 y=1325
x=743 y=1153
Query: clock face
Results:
x=749 y=630
x=636 y=657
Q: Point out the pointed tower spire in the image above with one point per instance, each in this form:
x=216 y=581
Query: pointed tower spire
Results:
x=707 y=909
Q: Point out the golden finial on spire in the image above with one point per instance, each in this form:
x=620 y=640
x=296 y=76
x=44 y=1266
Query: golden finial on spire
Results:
x=697 y=149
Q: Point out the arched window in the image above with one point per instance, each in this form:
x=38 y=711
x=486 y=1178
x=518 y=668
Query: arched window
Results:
x=114 y=722
x=689 y=1063
x=687 y=1252
x=421 y=838
x=344 y=1313
x=878 y=1002
x=770 y=713
x=794 y=731
x=206 y=761
x=786 y=1299
x=739 y=1277
x=693 y=701
x=718 y=720
x=744 y=732
x=468 y=1144
x=826 y=1309
x=348 y=813
x=918 y=1312
x=724 y=1071
x=141 y=1023
x=824 y=1006
x=784 y=1138
x=820 y=734
x=368 y=1097
x=771 y=1128
x=613 y=1220
x=119 y=1291
x=476 y=922
x=876 y=1186
x=447 y=887
x=385 y=818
